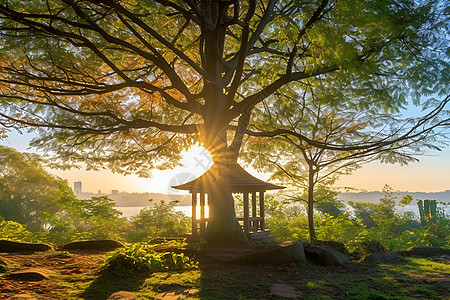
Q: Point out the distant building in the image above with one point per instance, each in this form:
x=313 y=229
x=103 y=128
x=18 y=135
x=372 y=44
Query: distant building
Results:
x=114 y=192
x=77 y=187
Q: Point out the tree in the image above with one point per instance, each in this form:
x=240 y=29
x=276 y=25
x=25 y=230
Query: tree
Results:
x=27 y=191
x=159 y=220
x=130 y=84
x=340 y=138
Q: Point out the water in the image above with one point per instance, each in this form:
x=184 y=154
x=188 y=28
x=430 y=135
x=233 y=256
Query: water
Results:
x=134 y=210
x=187 y=210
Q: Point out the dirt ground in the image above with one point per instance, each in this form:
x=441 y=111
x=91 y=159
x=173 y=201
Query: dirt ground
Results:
x=75 y=275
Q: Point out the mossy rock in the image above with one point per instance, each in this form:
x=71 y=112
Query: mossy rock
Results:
x=93 y=245
x=339 y=246
x=426 y=251
x=286 y=253
x=31 y=274
x=10 y=246
x=325 y=255
x=383 y=257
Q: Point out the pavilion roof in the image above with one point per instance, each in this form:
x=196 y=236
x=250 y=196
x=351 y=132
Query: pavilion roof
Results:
x=239 y=181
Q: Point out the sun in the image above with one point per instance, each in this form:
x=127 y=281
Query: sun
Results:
x=197 y=158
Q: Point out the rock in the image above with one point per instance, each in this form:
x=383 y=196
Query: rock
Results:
x=22 y=297
x=94 y=245
x=10 y=246
x=176 y=293
x=382 y=257
x=426 y=251
x=31 y=274
x=284 y=291
x=445 y=257
x=292 y=252
x=325 y=256
x=339 y=246
x=122 y=295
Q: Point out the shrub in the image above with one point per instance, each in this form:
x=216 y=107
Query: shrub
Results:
x=10 y=230
x=140 y=257
x=158 y=221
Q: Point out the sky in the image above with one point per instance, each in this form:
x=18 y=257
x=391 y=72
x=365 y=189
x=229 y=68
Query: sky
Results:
x=431 y=174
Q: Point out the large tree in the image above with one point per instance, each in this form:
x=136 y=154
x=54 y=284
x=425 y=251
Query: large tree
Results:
x=131 y=83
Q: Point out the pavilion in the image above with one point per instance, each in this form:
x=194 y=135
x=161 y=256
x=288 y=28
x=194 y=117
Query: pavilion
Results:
x=239 y=181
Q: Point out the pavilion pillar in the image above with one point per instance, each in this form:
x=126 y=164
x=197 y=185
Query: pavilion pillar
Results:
x=194 y=213
x=261 y=210
x=202 y=214
x=246 y=214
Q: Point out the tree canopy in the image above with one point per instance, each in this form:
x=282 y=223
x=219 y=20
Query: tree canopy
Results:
x=27 y=191
x=130 y=84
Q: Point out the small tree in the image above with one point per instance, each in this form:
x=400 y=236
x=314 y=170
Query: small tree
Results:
x=159 y=220
x=311 y=141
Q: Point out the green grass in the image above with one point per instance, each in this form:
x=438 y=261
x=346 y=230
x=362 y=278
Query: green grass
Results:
x=415 y=278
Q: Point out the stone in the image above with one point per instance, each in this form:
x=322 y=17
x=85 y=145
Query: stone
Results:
x=426 y=251
x=325 y=256
x=382 y=257
x=93 y=245
x=176 y=293
x=22 y=297
x=284 y=291
x=10 y=246
x=292 y=252
x=445 y=257
x=339 y=246
x=30 y=274
x=122 y=295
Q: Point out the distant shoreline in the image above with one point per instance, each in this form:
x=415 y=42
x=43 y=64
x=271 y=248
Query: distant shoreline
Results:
x=123 y=199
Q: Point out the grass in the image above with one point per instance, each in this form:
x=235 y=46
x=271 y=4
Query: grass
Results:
x=78 y=277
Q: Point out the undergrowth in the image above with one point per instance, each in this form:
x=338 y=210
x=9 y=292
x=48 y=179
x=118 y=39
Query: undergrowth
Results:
x=140 y=257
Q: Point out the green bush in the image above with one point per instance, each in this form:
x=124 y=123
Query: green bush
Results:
x=13 y=231
x=140 y=257
x=158 y=221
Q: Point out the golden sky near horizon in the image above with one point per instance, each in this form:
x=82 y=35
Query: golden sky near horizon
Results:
x=431 y=174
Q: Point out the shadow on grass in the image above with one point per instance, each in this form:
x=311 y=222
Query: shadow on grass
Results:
x=411 y=278
x=107 y=284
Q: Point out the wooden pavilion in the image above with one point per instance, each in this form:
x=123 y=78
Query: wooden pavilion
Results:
x=239 y=181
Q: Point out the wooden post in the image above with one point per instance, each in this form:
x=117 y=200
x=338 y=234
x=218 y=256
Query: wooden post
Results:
x=246 y=213
x=254 y=204
x=261 y=210
x=194 y=212
x=202 y=214
x=254 y=223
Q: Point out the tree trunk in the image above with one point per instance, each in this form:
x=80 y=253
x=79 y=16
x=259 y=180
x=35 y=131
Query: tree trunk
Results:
x=312 y=231
x=223 y=227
